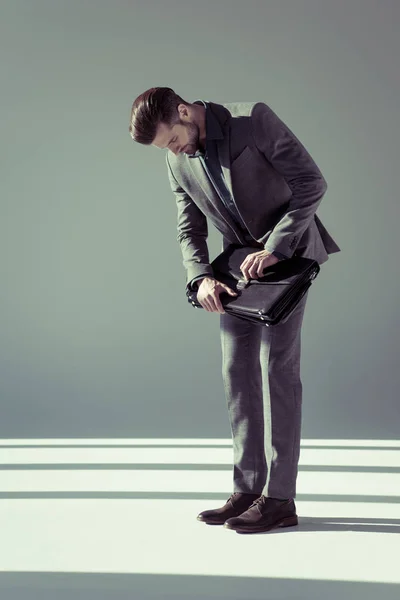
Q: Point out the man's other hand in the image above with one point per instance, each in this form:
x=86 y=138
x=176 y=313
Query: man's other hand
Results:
x=254 y=264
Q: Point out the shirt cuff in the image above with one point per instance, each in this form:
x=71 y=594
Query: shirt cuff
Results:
x=195 y=287
x=279 y=255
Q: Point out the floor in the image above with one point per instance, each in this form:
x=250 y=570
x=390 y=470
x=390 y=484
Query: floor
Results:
x=103 y=518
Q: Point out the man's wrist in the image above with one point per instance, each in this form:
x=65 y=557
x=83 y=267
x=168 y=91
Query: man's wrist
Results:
x=198 y=281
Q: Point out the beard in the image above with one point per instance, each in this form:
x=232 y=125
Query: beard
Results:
x=193 y=138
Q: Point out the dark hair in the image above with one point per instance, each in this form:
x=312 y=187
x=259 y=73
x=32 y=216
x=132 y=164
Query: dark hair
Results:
x=156 y=105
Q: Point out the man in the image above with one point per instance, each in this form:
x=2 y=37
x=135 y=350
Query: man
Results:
x=241 y=167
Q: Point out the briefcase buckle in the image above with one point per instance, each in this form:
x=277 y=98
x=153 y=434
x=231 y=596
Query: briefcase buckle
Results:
x=242 y=284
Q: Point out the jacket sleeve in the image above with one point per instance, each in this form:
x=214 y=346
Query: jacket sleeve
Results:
x=290 y=158
x=192 y=233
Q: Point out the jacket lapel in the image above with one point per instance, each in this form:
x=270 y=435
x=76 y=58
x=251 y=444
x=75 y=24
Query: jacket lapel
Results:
x=227 y=225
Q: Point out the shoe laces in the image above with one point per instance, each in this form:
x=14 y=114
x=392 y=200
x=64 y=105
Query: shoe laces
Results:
x=258 y=501
x=262 y=500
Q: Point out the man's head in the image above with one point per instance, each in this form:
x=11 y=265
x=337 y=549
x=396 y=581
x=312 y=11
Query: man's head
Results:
x=162 y=118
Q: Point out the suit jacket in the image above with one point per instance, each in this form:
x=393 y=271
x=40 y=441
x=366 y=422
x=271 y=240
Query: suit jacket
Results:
x=276 y=185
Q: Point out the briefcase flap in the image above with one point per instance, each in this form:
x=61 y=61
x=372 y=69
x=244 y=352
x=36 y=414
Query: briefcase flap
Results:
x=226 y=268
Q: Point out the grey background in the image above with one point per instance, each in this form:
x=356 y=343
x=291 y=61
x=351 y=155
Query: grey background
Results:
x=97 y=336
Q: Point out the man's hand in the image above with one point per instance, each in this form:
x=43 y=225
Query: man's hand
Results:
x=208 y=294
x=253 y=265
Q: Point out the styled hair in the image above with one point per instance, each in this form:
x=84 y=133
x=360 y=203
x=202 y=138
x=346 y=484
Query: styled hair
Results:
x=156 y=105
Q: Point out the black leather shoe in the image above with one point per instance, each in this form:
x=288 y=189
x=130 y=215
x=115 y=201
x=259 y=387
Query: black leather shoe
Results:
x=237 y=503
x=265 y=514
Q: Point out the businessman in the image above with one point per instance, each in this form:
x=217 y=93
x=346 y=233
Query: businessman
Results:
x=240 y=166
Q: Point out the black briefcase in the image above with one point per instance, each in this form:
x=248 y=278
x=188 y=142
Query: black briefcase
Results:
x=266 y=300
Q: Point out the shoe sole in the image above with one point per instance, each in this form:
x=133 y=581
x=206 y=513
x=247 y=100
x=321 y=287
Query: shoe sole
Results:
x=211 y=522
x=286 y=522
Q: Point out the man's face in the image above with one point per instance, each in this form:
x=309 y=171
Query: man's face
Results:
x=181 y=137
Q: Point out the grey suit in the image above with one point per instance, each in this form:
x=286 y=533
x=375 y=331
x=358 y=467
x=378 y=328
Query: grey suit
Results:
x=275 y=188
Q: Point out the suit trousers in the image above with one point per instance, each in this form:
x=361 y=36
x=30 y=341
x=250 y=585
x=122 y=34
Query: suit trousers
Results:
x=263 y=390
